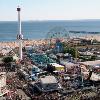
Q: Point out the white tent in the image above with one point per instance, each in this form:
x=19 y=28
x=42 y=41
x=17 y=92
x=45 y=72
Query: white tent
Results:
x=48 y=80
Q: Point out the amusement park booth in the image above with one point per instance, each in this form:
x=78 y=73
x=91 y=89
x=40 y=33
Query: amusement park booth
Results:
x=57 y=67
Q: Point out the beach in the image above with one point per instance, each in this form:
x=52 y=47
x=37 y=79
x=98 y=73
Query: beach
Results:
x=38 y=42
x=92 y=37
x=25 y=43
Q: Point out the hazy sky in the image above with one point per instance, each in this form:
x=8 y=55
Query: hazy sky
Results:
x=50 y=9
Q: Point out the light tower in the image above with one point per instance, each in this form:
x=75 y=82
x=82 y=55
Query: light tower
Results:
x=19 y=36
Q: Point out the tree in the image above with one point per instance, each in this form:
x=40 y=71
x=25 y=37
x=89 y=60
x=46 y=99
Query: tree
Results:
x=7 y=59
x=73 y=51
x=93 y=57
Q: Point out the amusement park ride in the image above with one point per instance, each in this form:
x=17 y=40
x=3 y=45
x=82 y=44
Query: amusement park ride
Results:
x=19 y=36
x=58 y=33
x=55 y=36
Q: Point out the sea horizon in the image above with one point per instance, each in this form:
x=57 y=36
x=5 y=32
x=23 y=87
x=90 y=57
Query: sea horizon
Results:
x=38 y=29
x=51 y=20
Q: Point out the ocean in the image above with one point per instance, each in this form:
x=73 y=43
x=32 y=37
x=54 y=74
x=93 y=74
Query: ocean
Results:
x=39 y=29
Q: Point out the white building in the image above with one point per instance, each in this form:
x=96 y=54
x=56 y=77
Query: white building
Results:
x=94 y=65
x=49 y=83
x=2 y=83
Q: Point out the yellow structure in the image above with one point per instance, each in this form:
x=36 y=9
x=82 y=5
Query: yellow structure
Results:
x=57 y=66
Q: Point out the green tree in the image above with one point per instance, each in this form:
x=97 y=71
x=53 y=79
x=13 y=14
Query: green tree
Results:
x=7 y=59
x=71 y=50
x=93 y=57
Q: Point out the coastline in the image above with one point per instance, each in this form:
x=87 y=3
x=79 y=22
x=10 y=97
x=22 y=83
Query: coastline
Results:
x=92 y=37
x=13 y=44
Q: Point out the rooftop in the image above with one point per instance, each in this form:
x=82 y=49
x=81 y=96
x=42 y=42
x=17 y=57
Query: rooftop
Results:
x=92 y=63
x=48 y=80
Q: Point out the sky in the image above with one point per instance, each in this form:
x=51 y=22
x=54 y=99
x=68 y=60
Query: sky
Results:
x=50 y=9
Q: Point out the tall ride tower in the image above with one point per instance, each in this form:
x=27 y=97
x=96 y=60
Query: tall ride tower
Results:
x=19 y=36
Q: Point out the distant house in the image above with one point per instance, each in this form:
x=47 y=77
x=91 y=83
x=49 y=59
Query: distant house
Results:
x=68 y=65
x=84 y=41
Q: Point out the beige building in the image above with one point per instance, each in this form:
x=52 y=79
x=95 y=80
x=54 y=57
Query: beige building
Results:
x=2 y=83
x=93 y=65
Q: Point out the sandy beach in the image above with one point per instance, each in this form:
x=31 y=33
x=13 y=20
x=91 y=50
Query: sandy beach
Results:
x=92 y=37
x=41 y=41
x=25 y=43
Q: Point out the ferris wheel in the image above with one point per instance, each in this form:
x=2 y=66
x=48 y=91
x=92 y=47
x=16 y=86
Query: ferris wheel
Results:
x=57 y=33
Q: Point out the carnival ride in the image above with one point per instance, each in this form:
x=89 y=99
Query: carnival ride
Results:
x=57 y=33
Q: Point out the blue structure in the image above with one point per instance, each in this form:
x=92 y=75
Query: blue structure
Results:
x=41 y=59
x=34 y=77
x=58 y=46
x=35 y=70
